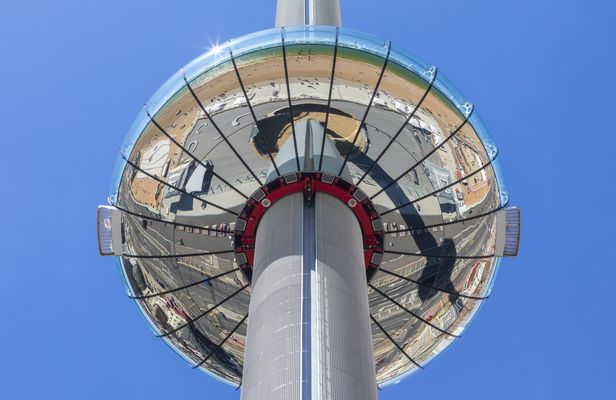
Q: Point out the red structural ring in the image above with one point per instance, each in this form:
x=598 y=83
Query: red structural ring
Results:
x=308 y=183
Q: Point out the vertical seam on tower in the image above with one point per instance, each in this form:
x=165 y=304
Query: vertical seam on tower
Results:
x=316 y=328
x=308 y=262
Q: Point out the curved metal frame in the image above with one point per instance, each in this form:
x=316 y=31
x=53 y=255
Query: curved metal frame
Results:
x=291 y=116
x=418 y=283
x=222 y=135
x=411 y=312
x=440 y=189
x=252 y=112
x=219 y=346
x=191 y=155
x=134 y=214
x=393 y=139
x=450 y=222
x=178 y=255
x=203 y=314
x=458 y=129
x=395 y=343
x=211 y=278
x=363 y=120
x=329 y=98
x=177 y=188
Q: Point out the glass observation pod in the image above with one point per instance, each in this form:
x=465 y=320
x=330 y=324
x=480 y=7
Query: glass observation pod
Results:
x=207 y=140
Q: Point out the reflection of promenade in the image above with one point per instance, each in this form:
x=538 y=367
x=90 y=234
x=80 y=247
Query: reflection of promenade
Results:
x=165 y=274
x=422 y=340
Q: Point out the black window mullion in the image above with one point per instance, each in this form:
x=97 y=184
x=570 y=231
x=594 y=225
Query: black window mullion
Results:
x=252 y=112
x=222 y=135
x=393 y=139
x=329 y=99
x=363 y=120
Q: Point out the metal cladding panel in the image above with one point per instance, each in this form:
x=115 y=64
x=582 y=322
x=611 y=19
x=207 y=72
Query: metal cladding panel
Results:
x=308 y=12
x=309 y=134
x=508 y=232
x=272 y=363
x=109 y=224
x=345 y=366
x=321 y=338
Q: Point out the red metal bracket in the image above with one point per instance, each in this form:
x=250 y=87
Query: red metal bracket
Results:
x=308 y=183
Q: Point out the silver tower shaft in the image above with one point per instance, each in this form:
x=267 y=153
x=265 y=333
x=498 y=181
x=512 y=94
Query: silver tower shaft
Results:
x=308 y=12
x=309 y=332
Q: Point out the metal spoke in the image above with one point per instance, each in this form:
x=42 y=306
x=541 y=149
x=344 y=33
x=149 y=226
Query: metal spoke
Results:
x=211 y=278
x=458 y=129
x=204 y=313
x=177 y=188
x=451 y=292
x=329 y=98
x=439 y=190
x=172 y=222
x=286 y=77
x=401 y=253
x=219 y=346
x=222 y=135
x=393 y=139
x=425 y=321
x=252 y=112
x=363 y=120
x=210 y=253
x=450 y=222
x=395 y=343
x=191 y=155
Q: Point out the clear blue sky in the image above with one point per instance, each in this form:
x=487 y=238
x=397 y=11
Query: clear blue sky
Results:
x=73 y=74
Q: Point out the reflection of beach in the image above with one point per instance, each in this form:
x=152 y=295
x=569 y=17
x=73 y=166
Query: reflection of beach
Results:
x=259 y=73
x=344 y=127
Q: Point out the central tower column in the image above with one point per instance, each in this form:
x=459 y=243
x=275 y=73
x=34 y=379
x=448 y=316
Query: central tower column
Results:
x=309 y=331
x=308 y=12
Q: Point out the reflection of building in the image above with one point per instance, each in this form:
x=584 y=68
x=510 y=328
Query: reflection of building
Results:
x=274 y=177
x=167 y=314
x=475 y=277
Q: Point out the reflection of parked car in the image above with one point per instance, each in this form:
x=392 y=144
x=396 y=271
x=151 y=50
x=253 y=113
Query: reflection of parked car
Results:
x=231 y=228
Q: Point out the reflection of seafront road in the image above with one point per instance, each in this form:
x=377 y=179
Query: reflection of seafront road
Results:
x=470 y=239
x=213 y=148
x=165 y=274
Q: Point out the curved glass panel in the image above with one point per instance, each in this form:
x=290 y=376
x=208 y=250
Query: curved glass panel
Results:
x=412 y=63
x=166 y=92
x=204 y=63
x=129 y=141
x=504 y=192
x=210 y=137
x=256 y=41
